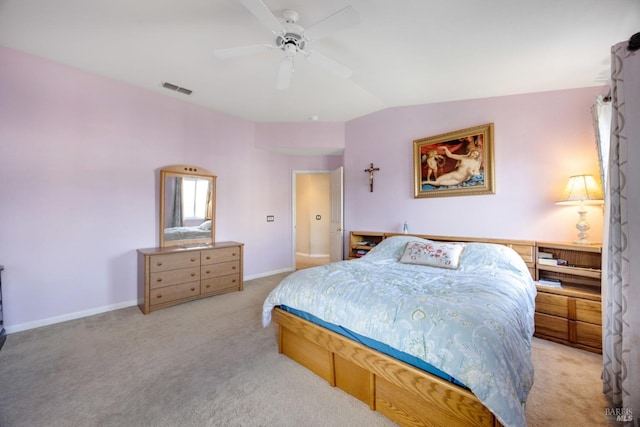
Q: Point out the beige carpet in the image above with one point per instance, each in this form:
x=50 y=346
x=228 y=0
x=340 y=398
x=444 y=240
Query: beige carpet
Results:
x=210 y=363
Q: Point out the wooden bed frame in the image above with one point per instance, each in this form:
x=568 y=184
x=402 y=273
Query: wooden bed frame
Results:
x=403 y=393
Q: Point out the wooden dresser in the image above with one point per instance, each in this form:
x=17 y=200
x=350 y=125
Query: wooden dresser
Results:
x=173 y=275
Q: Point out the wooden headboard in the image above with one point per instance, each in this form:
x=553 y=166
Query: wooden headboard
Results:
x=525 y=248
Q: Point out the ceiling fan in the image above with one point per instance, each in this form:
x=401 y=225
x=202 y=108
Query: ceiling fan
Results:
x=292 y=39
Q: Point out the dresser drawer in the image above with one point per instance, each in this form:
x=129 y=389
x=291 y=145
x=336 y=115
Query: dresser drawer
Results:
x=589 y=311
x=220 y=269
x=220 y=284
x=175 y=292
x=589 y=334
x=173 y=261
x=213 y=256
x=556 y=305
x=173 y=277
x=551 y=326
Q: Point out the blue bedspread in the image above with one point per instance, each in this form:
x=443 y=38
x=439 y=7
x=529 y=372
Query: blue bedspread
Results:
x=475 y=323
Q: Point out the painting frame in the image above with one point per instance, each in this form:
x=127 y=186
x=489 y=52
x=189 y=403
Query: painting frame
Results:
x=448 y=165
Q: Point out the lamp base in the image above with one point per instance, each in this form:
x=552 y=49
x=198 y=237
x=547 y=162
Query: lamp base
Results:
x=582 y=242
x=583 y=226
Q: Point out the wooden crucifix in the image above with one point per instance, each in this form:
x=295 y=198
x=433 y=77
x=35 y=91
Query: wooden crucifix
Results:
x=371 y=170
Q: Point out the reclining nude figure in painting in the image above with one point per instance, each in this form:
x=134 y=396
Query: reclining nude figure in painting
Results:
x=469 y=165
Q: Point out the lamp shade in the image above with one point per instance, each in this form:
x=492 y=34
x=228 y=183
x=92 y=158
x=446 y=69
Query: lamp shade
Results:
x=582 y=189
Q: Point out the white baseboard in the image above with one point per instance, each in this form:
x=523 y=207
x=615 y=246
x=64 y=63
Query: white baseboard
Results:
x=312 y=255
x=86 y=313
x=268 y=273
x=71 y=316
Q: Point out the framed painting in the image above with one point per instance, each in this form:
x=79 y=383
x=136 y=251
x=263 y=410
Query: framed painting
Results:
x=457 y=163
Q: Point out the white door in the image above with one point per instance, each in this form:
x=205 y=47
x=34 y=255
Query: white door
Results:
x=336 y=244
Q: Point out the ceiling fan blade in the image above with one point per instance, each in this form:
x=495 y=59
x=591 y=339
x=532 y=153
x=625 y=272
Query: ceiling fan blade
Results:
x=329 y=64
x=264 y=15
x=241 y=50
x=344 y=18
x=284 y=73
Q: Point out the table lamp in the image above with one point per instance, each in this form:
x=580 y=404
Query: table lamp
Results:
x=582 y=190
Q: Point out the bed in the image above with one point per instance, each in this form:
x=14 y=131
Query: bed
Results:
x=201 y=231
x=441 y=338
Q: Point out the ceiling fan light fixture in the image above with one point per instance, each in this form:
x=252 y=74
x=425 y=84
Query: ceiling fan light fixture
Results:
x=290 y=49
x=291 y=38
x=285 y=70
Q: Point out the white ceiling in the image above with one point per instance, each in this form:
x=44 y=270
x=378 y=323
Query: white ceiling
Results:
x=403 y=52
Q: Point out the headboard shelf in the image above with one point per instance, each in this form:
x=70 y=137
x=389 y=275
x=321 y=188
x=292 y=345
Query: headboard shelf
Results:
x=525 y=248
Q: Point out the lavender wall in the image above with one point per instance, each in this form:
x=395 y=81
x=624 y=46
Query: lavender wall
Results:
x=79 y=158
x=309 y=136
x=540 y=140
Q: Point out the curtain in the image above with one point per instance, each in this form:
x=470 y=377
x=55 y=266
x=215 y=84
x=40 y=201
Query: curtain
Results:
x=209 y=214
x=602 y=124
x=177 y=219
x=621 y=331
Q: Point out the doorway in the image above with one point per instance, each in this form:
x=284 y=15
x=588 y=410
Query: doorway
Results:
x=317 y=217
x=311 y=218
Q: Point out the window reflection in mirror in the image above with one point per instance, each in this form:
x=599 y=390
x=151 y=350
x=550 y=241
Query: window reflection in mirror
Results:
x=187 y=206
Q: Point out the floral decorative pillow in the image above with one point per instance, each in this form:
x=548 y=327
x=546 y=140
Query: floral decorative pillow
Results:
x=434 y=254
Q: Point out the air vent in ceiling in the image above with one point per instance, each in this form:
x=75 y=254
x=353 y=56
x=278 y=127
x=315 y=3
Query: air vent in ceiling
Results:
x=177 y=88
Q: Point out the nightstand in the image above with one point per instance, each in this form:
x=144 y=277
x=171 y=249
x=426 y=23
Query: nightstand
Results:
x=570 y=314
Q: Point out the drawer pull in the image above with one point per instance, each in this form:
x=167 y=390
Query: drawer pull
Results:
x=193 y=274
x=233 y=254
x=159 y=263
x=193 y=259
x=208 y=271
x=208 y=256
x=193 y=289
x=233 y=268
x=208 y=286
x=159 y=279
x=233 y=281
x=158 y=296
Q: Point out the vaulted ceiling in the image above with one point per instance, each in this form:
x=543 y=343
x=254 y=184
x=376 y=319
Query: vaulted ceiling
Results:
x=401 y=52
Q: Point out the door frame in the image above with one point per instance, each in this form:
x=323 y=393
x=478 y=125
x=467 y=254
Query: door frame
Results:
x=294 y=206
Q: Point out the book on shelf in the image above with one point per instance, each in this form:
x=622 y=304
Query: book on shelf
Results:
x=552 y=261
x=360 y=253
x=545 y=255
x=554 y=283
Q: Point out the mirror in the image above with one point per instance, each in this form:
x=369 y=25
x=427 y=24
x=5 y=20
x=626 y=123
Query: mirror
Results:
x=187 y=206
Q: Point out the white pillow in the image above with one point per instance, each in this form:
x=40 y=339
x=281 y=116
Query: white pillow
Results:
x=205 y=225
x=434 y=254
